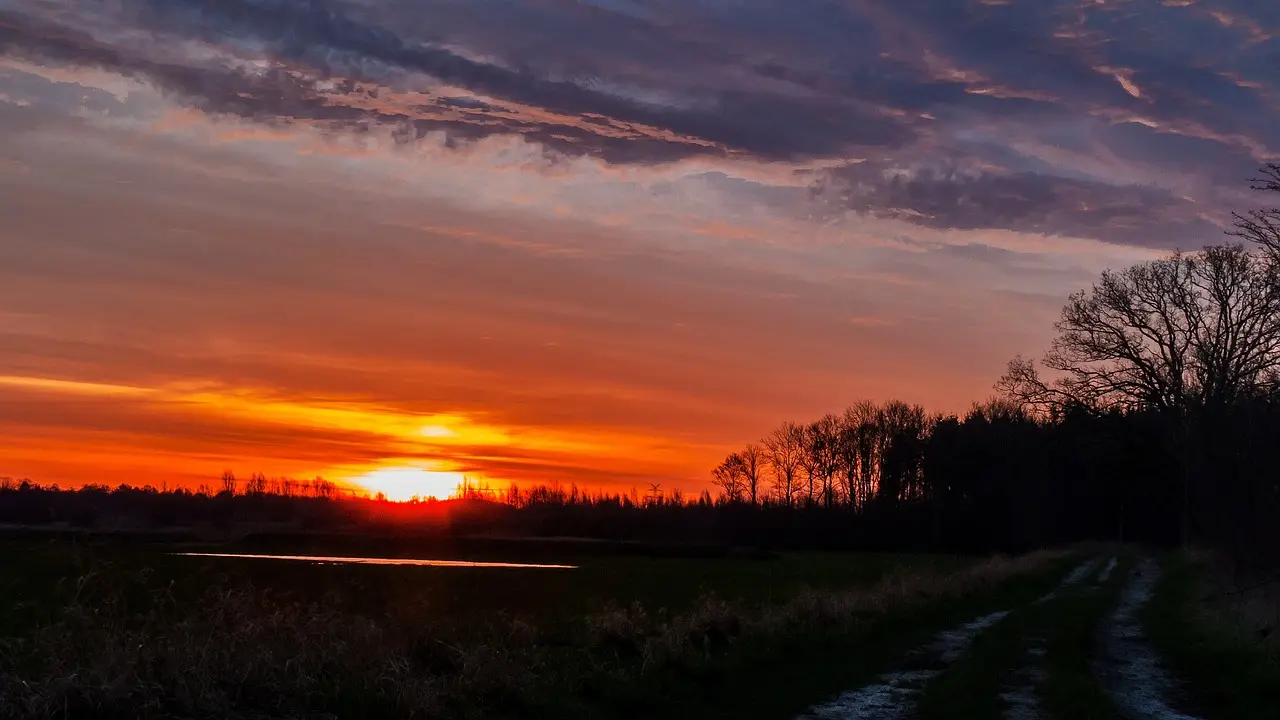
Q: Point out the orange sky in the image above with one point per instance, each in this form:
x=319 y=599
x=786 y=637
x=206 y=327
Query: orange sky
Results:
x=535 y=293
x=178 y=323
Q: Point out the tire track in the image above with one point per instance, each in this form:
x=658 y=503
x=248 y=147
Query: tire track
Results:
x=1129 y=668
x=1106 y=573
x=895 y=695
x=1074 y=577
x=1022 y=701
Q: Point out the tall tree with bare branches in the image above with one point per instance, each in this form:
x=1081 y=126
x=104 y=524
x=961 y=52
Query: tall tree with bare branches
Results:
x=784 y=451
x=1262 y=226
x=1190 y=330
x=730 y=477
x=1185 y=336
x=824 y=451
x=753 y=462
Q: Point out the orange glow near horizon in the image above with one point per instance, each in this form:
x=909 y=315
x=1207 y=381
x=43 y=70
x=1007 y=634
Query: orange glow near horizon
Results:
x=611 y=290
x=188 y=433
x=401 y=484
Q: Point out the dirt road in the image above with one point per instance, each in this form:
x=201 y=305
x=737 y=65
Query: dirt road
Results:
x=1078 y=651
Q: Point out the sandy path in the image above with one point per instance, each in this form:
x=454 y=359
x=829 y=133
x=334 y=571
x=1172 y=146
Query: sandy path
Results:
x=1129 y=668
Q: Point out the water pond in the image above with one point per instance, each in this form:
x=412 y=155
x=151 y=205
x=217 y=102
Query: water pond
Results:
x=383 y=561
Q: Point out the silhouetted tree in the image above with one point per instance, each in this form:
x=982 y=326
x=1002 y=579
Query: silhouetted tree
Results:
x=824 y=451
x=1190 y=330
x=229 y=482
x=730 y=477
x=1183 y=336
x=1262 y=226
x=753 y=462
x=257 y=485
x=784 y=449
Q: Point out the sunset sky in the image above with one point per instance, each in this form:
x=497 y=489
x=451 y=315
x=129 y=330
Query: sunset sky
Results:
x=591 y=241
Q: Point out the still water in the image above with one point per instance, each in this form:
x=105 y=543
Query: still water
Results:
x=384 y=561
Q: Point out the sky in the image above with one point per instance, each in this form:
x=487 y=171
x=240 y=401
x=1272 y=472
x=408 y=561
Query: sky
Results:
x=599 y=242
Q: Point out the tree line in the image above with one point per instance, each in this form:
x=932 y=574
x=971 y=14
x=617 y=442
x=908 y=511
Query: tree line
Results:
x=1153 y=415
x=869 y=453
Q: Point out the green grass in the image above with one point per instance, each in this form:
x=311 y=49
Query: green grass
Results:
x=110 y=632
x=1227 y=675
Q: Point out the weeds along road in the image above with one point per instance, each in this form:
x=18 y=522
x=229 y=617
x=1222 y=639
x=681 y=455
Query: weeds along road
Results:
x=1079 y=651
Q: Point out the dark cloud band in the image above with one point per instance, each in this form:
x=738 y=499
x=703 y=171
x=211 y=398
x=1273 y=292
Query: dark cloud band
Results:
x=883 y=83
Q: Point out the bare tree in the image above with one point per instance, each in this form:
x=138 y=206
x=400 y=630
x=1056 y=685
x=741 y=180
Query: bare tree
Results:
x=861 y=445
x=322 y=488
x=808 y=463
x=1262 y=226
x=784 y=450
x=729 y=476
x=1168 y=334
x=824 y=450
x=257 y=485
x=753 y=462
x=229 y=482
x=1184 y=336
x=903 y=430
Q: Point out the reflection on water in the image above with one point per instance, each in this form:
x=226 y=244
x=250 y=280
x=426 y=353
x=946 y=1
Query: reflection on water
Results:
x=384 y=561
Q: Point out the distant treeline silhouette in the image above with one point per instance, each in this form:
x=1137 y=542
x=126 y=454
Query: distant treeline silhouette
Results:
x=1157 y=420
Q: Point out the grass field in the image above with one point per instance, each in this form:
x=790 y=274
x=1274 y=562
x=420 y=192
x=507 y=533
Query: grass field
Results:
x=1221 y=641
x=113 y=632
x=129 y=631
x=49 y=570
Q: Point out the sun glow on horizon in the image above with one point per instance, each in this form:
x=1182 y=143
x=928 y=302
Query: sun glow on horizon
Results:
x=401 y=484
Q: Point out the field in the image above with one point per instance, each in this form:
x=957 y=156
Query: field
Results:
x=110 y=631
x=42 y=571
x=614 y=636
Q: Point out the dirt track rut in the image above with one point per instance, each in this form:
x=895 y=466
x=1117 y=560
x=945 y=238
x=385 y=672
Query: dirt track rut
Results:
x=1125 y=665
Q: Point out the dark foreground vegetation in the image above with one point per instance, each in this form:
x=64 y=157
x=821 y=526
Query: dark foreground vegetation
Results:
x=1220 y=636
x=136 y=634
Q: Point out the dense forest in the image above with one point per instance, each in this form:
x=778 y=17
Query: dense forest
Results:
x=1153 y=417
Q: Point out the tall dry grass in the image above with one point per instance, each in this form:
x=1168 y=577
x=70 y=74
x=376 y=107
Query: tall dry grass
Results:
x=1244 y=606
x=243 y=653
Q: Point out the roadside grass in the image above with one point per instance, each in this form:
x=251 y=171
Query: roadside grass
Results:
x=972 y=687
x=1227 y=672
x=125 y=641
x=784 y=673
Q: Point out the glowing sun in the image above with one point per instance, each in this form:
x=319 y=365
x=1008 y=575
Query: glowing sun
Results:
x=401 y=484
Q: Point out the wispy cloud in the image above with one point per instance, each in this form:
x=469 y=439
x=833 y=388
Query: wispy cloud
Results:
x=593 y=230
